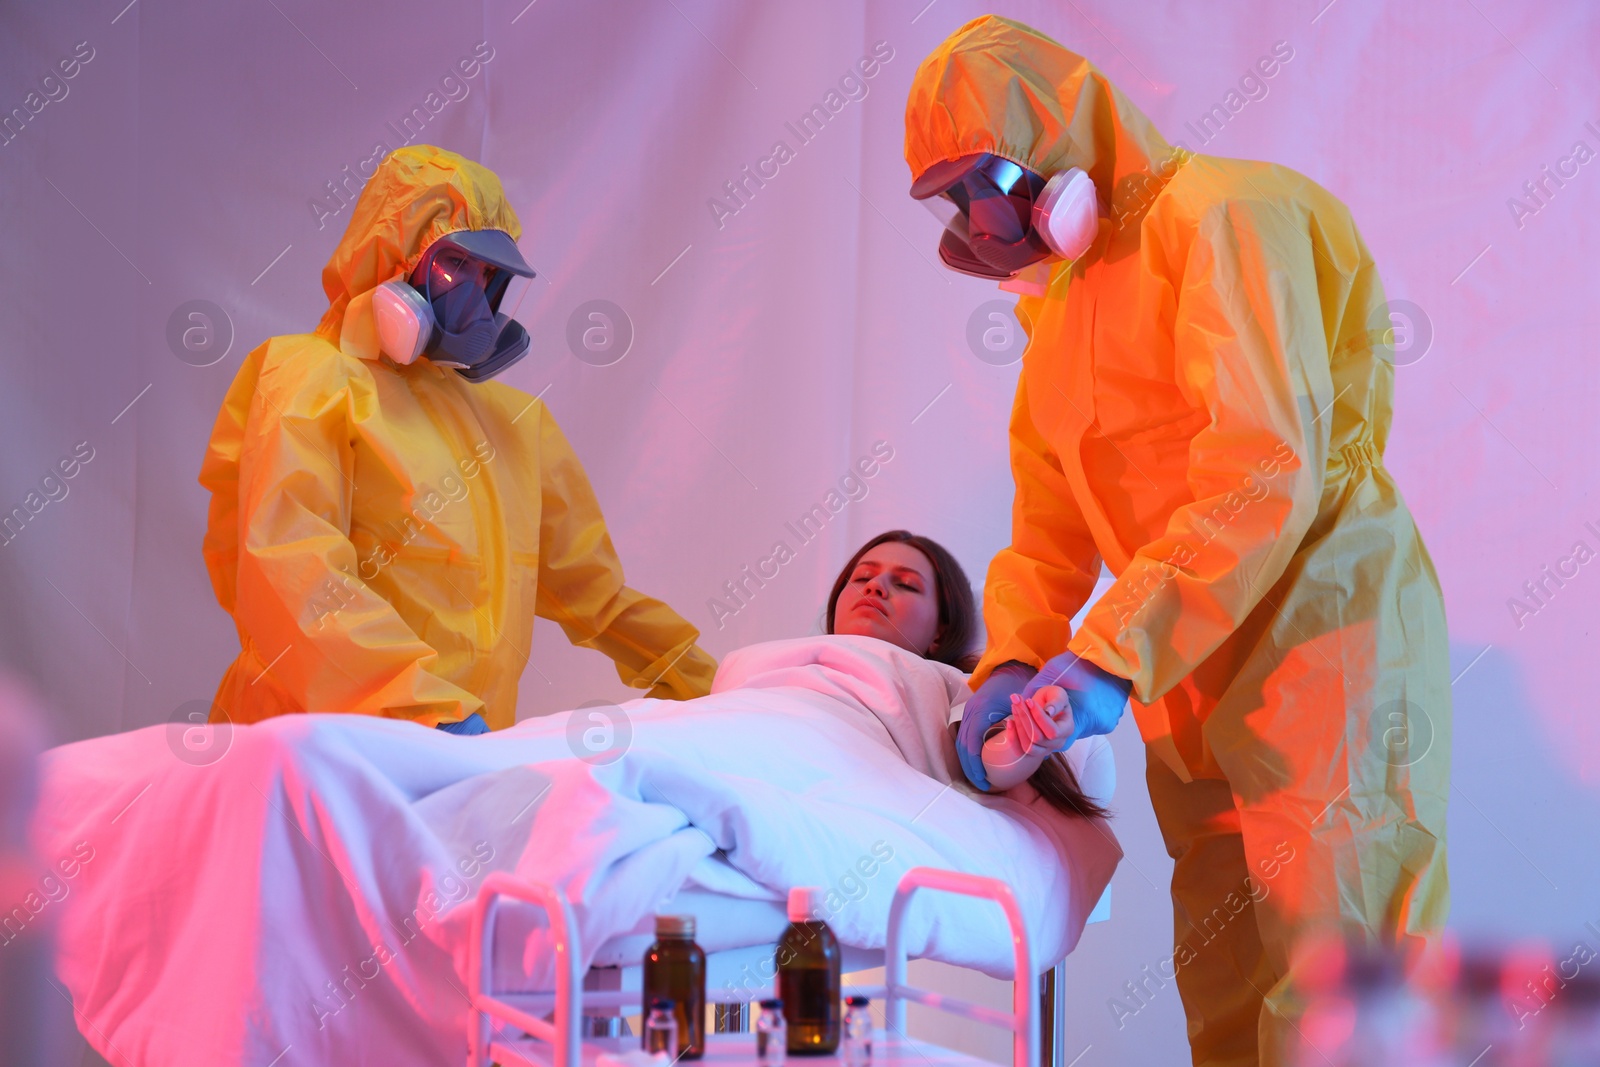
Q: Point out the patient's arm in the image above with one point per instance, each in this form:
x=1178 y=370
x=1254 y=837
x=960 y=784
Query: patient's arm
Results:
x=1038 y=726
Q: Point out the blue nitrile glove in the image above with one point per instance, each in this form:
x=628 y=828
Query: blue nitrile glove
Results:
x=1097 y=696
x=987 y=708
x=472 y=724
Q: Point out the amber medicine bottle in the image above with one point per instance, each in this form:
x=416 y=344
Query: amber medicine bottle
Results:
x=675 y=970
x=808 y=976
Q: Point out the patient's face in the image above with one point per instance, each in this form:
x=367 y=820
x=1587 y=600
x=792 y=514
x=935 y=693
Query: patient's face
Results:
x=891 y=595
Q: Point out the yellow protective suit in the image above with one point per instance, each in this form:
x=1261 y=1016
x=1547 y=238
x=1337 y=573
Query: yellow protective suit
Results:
x=1203 y=406
x=384 y=535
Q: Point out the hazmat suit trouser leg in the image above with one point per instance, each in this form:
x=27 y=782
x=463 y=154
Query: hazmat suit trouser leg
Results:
x=1261 y=861
x=1222 y=970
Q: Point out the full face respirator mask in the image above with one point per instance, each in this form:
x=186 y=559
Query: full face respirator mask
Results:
x=1000 y=217
x=449 y=308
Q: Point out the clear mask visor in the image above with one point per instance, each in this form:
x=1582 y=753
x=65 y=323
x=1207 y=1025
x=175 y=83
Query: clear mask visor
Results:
x=987 y=218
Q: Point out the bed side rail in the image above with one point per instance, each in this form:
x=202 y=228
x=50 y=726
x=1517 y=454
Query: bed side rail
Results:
x=1023 y=1022
x=562 y=1032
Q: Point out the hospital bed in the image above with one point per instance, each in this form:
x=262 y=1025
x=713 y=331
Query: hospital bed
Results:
x=345 y=853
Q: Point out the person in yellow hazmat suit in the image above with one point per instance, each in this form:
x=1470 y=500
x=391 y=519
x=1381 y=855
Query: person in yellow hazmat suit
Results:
x=385 y=522
x=1203 y=406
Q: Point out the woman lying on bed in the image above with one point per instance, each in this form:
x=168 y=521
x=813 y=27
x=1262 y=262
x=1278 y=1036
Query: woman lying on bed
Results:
x=308 y=881
x=910 y=591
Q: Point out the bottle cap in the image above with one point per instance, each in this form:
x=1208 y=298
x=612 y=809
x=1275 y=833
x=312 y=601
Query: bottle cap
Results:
x=661 y=1004
x=805 y=904
x=772 y=1004
x=857 y=1002
x=675 y=926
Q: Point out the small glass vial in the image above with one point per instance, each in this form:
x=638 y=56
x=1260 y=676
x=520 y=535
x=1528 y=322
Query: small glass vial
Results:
x=661 y=1028
x=675 y=970
x=857 y=1032
x=772 y=1036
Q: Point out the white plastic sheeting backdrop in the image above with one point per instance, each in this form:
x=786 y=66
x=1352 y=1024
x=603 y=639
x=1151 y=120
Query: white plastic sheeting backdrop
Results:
x=197 y=153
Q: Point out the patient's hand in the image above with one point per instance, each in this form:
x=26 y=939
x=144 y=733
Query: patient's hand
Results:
x=1038 y=726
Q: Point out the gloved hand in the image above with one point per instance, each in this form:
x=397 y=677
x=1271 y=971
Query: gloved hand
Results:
x=1098 y=697
x=985 y=709
x=472 y=724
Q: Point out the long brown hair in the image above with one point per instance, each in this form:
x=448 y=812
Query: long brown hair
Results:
x=953 y=643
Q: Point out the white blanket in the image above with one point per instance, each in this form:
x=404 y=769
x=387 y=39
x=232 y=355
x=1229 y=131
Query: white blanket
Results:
x=311 y=889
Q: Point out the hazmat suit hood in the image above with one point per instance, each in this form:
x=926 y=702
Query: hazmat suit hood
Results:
x=419 y=194
x=1001 y=87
